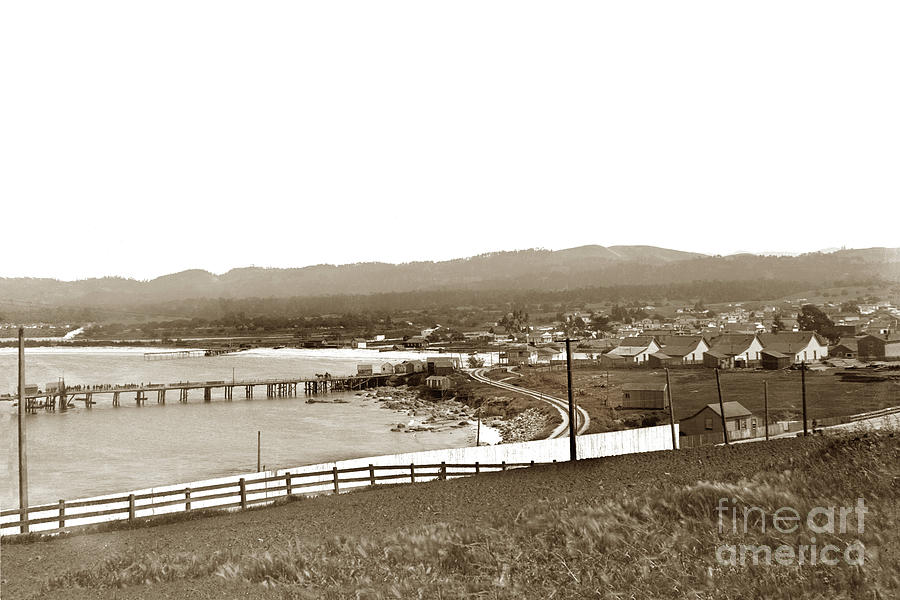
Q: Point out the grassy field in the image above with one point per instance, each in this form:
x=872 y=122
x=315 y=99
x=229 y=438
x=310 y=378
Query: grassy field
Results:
x=692 y=389
x=598 y=528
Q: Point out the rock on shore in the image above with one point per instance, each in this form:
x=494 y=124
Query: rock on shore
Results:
x=441 y=415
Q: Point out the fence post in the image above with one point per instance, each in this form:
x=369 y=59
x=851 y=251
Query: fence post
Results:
x=187 y=499
x=243 y=493
x=477 y=468
x=503 y=465
x=412 y=473
x=371 y=475
x=131 y=510
x=532 y=463
x=336 y=484
x=443 y=472
x=23 y=517
x=62 y=514
x=287 y=483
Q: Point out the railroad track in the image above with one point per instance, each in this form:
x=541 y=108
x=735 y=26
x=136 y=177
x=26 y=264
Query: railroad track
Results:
x=582 y=419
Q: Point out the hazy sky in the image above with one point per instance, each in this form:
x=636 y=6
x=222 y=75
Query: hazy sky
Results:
x=143 y=138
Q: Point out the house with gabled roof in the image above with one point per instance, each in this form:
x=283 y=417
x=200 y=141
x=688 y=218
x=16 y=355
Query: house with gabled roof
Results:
x=634 y=350
x=548 y=354
x=847 y=347
x=801 y=346
x=733 y=350
x=740 y=422
x=685 y=349
x=879 y=347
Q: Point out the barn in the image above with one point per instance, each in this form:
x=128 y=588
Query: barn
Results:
x=644 y=396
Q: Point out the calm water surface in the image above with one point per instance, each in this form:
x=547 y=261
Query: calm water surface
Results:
x=83 y=452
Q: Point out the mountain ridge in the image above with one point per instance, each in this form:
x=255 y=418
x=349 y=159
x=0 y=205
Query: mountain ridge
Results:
x=581 y=266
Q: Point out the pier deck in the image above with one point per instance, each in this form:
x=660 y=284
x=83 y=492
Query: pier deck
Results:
x=274 y=388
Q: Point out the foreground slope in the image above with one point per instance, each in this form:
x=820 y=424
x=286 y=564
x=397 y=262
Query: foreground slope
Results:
x=637 y=526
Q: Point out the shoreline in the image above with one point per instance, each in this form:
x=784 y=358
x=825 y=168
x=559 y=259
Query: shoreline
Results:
x=426 y=415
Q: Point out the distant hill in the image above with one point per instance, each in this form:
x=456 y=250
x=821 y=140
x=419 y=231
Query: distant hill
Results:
x=580 y=267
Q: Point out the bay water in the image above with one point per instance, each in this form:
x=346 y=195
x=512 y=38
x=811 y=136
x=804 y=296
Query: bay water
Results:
x=83 y=452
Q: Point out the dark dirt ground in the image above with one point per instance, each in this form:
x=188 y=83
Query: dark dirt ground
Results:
x=692 y=389
x=485 y=500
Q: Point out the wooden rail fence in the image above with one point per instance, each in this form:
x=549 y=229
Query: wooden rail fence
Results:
x=241 y=493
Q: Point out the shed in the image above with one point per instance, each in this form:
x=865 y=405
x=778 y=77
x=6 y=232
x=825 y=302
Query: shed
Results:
x=659 y=359
x=644 y=395
x=363 y=369
x=717 y=360
x=774 y=360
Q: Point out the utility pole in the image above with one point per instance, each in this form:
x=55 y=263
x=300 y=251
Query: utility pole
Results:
x=721 y=408
x=478 y=430
x=23 y=463
x=573 y=450
x=671 y=411
x=766 y=406
x=803 y=387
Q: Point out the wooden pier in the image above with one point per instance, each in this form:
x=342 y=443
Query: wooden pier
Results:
x=64 y=398
x=194 y=353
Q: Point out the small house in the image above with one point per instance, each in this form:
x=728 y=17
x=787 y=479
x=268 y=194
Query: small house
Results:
x=847 y=347
x=416 y=342
x=739 y=421
x=441 y=365
x=364 y=370
x=404 y=368
x=515 y=355
x=644 y=396
x=547 y=355
x=387 y=369
x=439 y=382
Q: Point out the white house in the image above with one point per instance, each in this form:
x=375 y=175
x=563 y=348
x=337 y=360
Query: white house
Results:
x=801 y=346
x=635 y=349
x=686 y=349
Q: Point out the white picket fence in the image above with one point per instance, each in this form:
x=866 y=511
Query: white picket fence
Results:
x=242 y=491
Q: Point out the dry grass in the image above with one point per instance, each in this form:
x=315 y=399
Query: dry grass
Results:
x=640 y=544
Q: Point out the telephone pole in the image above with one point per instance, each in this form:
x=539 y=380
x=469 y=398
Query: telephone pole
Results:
x=803 y=385
x=573 y=450
x=23 y=463
x=722 y=409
